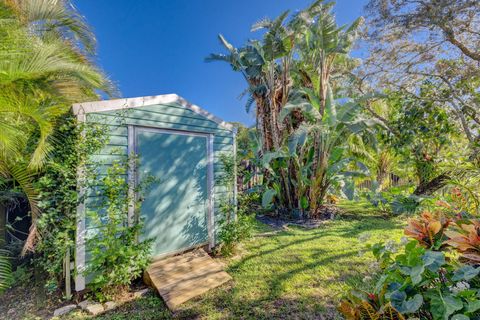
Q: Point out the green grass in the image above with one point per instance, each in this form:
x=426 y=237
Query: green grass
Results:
x=293 y=274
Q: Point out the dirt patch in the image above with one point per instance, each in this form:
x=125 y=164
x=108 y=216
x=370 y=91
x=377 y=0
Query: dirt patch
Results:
x=21 y=302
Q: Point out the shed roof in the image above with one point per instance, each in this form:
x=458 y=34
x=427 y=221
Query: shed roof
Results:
x=128 y=103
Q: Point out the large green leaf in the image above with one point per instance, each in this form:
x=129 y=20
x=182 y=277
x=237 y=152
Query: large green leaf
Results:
x=349 y=189
x=433 y=260
x=415 y=273
x=473 y=306
x=330 y=116
x=270 y=156
x=466 y=272
x=297 y=139
x=267 y=198
x=301 y=105
x=338 y=166
x=443 y=305
x=402 y=304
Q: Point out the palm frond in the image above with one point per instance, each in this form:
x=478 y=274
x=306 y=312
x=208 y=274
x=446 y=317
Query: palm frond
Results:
x=60 y=17
x=249 y=104
x=227 y=44
x=21 y=175
x=6 y=276
x=264 y=23
x=45 y=50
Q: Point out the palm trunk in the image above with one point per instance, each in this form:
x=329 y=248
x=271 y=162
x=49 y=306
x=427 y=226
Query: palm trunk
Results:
x=429 y=187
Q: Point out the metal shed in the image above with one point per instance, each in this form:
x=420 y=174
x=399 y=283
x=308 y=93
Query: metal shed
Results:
x=180 y=144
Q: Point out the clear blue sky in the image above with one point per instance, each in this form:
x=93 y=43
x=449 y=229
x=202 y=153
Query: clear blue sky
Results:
x=151 y=47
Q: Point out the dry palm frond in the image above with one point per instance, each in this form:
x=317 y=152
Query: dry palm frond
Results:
x=364 y=310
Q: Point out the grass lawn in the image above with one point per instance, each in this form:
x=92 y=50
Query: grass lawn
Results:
x=293 y=274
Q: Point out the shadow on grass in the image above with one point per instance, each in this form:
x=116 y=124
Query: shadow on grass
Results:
x=293 y=274
x=356 y=210
x=257 y=308
x=270 y=251
x=278 y=281
x=355 y=228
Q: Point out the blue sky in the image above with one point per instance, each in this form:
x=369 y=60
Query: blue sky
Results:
x=158 y=46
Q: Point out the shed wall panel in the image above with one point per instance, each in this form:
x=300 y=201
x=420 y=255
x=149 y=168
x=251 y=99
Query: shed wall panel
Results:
x=160 y=116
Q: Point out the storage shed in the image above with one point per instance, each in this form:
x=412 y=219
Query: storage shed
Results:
x=179 y=144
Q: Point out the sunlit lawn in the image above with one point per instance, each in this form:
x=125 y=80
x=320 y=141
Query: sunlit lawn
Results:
x=292 y=274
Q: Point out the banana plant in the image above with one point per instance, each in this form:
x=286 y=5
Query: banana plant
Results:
x=307 y=52
x=319 y=147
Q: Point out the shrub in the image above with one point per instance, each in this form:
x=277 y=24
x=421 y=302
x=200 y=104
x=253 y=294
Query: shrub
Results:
x=464 y=236
x=235 y=225
x=250 y=202
x=428 y=230
x=233 y=232
x=395 y=200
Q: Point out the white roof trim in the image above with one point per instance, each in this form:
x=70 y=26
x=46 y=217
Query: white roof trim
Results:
x=127 y=103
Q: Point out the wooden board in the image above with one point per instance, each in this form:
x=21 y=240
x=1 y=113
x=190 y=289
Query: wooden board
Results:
x=180 y=278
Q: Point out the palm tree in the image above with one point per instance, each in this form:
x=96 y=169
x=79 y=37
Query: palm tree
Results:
x=266 y=66
x=295 y=62
x=45 y=50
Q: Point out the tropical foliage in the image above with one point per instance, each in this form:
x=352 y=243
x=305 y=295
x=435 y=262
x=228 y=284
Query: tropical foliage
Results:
x=45 y=49
x=423 y=280
x=45 y=65
x=59 y=197
x=400 y=128
x=303 y=133
x=465 y=238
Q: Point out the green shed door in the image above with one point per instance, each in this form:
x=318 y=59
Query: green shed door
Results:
x=175 y=207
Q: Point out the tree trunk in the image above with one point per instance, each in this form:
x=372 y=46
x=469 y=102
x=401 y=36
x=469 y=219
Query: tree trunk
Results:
x=3 y=223
x=429 y=187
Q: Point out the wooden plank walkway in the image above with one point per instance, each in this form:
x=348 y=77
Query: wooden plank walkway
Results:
x=180 y=278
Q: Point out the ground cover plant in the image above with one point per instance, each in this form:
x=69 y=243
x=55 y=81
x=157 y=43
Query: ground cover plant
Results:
x=434 y=276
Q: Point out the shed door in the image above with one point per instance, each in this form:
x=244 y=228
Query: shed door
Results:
x=175 y=207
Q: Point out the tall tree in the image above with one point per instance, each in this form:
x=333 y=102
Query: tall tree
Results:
x=436 y=40
x=266 y=66
x=300 y=63
x=323 y=55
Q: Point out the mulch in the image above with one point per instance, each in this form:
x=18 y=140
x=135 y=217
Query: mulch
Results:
x=317 y=219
